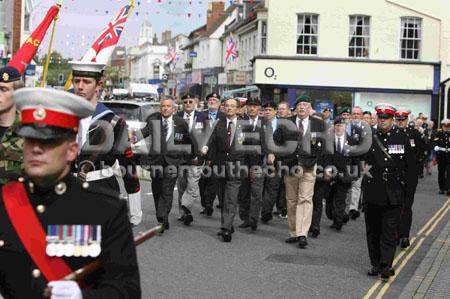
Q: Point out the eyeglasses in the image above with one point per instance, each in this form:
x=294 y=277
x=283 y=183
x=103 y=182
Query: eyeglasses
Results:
x=188 y=102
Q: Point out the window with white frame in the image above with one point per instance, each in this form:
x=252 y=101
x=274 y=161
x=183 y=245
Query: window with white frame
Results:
x=359 y=39
x=307 y=34
x=264 y=38
x=411 y=37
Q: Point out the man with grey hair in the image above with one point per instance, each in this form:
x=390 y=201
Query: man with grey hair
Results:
x=172 y=130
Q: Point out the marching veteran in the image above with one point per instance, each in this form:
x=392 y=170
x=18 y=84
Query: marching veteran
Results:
x=50 y=223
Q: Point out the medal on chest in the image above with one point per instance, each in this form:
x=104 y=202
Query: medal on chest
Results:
x=396 y=149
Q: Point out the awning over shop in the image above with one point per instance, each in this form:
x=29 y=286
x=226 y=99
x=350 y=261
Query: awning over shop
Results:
x=230 y=93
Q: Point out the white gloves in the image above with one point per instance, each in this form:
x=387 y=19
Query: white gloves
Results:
x=134 y=202
x=65 y=289
x=439 y=149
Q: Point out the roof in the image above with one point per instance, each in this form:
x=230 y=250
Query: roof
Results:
x=213 y=28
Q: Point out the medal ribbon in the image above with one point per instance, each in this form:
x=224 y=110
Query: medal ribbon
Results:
x=30 y=231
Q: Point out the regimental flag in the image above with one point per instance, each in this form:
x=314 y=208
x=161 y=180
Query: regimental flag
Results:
x=232 y=51
x=24 y=55
x=103 y=47
x=171 y=56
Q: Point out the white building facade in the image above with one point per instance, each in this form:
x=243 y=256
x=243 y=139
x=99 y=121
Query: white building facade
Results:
x=381 y=51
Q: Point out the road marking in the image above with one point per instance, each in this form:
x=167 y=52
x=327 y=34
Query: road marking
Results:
x=400 y=268
x=445 y=207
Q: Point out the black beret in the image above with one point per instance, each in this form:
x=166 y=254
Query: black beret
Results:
x=9 y=74
x=344 y=110
x=270 y=104
x=253 y=101
x=339 y=120
x=326 y=109
x=213 y=95
x=187 y=96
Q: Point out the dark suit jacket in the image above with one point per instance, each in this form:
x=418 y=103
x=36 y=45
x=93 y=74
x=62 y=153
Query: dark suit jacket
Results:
x=200 y=121
x=344 y=163
x=255 y=159
x=300 y=157
x=180 y=135
x=217 y=153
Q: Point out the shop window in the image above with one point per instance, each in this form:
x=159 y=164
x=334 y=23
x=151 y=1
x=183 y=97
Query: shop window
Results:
x=359 y=39
x=307 y=34
x=411 y=36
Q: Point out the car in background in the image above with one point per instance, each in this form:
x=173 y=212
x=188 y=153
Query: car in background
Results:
x=120 y=93
x=135 y=114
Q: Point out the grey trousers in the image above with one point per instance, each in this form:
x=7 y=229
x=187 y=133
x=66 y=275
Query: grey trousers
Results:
x=353 y=195
x=188 y=188
x=231 y=196
x=251 y=198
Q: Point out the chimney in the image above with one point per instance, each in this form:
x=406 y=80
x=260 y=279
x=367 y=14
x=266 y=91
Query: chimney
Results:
x=215 y=11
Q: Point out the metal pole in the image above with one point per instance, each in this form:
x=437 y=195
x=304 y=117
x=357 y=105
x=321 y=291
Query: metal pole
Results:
x=44 y=76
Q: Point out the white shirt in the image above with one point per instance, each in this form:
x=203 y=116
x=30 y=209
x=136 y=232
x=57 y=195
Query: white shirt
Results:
x=339 y=140
x=170 y=125
x=254 y=122
x=305 y=123
x=233 y=128
x=82 y=135
x=191 y=119
x=274 y=124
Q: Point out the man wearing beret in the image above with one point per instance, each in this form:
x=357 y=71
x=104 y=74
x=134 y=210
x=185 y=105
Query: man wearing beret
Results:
x=52 y=223
x=188 y=183
x=390 y=169
x=272 y=184
x=252 y=187
x=418 y=147
x=10 y=142
x=99 y=148
x=209 y=185
x=300 y=184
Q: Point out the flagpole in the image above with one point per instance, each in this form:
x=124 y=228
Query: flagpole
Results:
x=49 y=53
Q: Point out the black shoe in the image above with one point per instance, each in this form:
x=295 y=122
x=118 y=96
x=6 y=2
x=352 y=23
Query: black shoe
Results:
x=276 y=213
x=386 y=272
x=226 y=236
x=441 y=191
x=448 y=192
x=244 y=224
x=291 y=240
x=314 y=233
x=302 y=242
x=209 y=211
x=283 y=213
x=253 y=223
x=181 y=218
x=338 y=226
x=354 y=214
x=421 y=176
x=166 y=224
x=374 y=271
x=404 y=243
x=333 y=226
x=203 y=212
x=266 y=218
x=345 y=219
x=188 y=219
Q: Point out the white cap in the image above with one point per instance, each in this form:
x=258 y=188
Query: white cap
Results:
x=445 y=121
x=87 y=68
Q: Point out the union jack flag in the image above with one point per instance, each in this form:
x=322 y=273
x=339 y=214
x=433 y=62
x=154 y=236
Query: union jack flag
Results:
x=232 y=52
x=103 y=46
x=171 y=55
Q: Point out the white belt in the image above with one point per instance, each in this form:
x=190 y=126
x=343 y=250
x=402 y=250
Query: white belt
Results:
x=99 y=174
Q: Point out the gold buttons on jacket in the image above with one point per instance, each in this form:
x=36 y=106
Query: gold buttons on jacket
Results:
x=36 y=273
x=2 y=243
x=40 y=209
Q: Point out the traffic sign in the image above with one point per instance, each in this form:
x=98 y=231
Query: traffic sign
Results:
x=192 y=54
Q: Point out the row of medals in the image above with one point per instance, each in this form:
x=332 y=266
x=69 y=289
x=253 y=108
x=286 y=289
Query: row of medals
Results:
x=70 y=248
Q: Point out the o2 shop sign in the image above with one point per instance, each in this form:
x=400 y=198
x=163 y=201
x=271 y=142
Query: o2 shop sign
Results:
x=269 y=72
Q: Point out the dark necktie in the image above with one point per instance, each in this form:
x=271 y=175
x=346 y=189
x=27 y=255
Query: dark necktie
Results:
x=339 y=145
x=165 y=129
x=300 y=127
x=228 y=138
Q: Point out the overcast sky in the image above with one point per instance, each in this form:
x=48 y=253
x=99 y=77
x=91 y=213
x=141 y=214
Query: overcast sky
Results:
x=81 y=21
